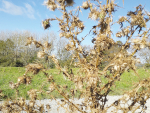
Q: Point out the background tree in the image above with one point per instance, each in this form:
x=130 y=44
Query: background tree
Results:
x=63 y=55
x=7 y=52
x=51 y=38
x=12 y=47
x=145 y=57
x=109 y=54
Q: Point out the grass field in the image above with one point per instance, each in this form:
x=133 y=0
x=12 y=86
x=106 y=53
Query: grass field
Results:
x=8 y=74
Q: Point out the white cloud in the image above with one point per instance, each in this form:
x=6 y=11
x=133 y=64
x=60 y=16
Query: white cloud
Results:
x=13 y=9
x=29 y=10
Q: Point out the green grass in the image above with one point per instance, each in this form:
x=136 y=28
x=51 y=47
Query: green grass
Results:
x=8 y=74
x=127 y=81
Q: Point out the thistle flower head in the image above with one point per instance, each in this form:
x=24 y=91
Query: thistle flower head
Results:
x=46 y=24
x=50 y=4
x=85 y=5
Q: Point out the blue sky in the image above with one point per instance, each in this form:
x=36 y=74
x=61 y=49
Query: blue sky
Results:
x=20 y=15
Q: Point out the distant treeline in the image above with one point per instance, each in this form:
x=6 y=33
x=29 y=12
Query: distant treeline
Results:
x=14 y=53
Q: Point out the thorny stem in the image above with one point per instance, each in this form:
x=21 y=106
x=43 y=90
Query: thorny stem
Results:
x=97 y=60
x=59 y=67
x=66 y=98
x=104 y=70
x=17 y=92
x=60 y=104
x=72 y=38
x=133 y=69
x=134 y=53
x=112 y=80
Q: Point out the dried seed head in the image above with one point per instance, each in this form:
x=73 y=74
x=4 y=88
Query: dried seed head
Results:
x=50 y=5
x=93 y=80
x=31 y=104
x=119 y=34
x=81 y=26
x=41 y=109
x=32 y=94
x=94 y=16
x=61 y=34
x=137 y=60
x=139 y=43
x=48 y=106
x=21 y=102
x=12 y=85
x=41 y=54
x=142 y=46
x=37 y=44
x=50 y=78
x=79 y=85
x=126 y=31
x=65 y=87
x=116 y=67
x=126 y=97
x=102 y=15
x=103 y=42
x=28 y=80
x=51 y=87
x=65 y=15
x=60 y=1
x=110 y=7
x=35 y=68
x=85 y=5
x=138 y=20
x=29 y=41
x=47 y=45
x=68 y=35
x=46 y=23
x=21 y=80
x=122 y=19
x=69 y=2
x=120 y=55
x=69 y=47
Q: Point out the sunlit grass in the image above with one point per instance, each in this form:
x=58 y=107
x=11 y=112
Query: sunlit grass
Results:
x=7 y=74
x=39 y=81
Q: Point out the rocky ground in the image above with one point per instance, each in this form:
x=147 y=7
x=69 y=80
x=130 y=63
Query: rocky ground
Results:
x=56 y=109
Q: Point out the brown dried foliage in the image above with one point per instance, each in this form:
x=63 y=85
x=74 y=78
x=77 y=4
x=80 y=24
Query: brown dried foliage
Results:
x=88 y=78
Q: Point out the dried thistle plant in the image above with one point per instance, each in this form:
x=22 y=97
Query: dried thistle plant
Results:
x=87 y=80
x=35 y=68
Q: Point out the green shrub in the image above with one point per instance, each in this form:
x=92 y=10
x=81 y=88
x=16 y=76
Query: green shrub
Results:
x=18 y=64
